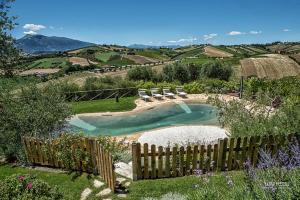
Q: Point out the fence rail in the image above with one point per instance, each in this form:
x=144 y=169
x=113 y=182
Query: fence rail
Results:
x=100 y=161
x=228 y=154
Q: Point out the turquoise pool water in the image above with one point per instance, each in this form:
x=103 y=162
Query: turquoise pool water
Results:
x=156 y=117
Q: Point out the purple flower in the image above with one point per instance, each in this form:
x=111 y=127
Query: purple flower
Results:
x=21 y=178
x=266 y=160
x=198 y=172
x=29 y=185
x=250 y=172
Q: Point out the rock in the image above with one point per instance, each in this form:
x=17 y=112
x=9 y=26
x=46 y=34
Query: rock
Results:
x=130 y=163
x=123 y=169
x=122 y=195
x=86 y=192
x=127 y=184
x=104 y=192
x=98 y=184
x=121 y=180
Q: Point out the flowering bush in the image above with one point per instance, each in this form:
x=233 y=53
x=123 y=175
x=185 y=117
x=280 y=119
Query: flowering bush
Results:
x=27 y=187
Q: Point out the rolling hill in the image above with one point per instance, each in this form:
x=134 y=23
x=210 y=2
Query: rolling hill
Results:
x=40 y=44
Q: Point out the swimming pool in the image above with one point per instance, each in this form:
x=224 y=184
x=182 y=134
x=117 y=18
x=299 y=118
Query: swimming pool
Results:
x=160 y=116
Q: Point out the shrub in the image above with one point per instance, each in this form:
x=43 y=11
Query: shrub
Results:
x=31 y=112
x=141 y=73
x=27 y=187
x=118 y=149
x=216 y=70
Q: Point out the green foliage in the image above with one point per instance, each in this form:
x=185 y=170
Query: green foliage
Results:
x=216 y=70
x=245 y=118
x=64 y=151
x=9 y=54
x=177 y=72
x=70 y=184
x=119 y=151
x=30 y=112
x=141 y=73
x=27 y=187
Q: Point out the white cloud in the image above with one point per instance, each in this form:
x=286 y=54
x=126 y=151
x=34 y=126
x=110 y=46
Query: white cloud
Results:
x=183 y=40
x=286 y=30
x=255 y=32
x=210 y=36
x=236 y=33
x=30 y=33
x=34 y=27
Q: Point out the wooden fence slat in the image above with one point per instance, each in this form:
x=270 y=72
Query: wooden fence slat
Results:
x=220 y=154
x=181 y=162
x=237 y=155
x=153 y=162
x=167 y=163
x=195 y=158
x=208 y=155
x=244 y=152
x=215 y=156
x=174 y=162
x=202 y=149
x=160 y=162
x=255 y=151
x=146 y=161
x=230 y=160
x=224 y=153
x=250 y=149
x=138 y=155
x=188 y=161
x=135 y=163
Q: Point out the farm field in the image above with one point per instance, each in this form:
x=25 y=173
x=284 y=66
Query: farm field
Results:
x=214 y=52
x=296 y=57
x=274 y=66
x=140 y=59
x=45 y=63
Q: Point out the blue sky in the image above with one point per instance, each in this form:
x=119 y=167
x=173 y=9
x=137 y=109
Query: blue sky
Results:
x=161 y=22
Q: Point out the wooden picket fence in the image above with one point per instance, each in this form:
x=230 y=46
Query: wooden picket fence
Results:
x=99 y=160
x=228 y=154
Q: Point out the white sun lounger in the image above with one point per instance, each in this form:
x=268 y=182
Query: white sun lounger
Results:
x=168 y=93
x=155 y=94
x=180 y=92
x=143 y=95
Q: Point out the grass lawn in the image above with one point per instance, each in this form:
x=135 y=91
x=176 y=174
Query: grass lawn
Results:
x=191 y=187
x=104 y=105
x=71 y=185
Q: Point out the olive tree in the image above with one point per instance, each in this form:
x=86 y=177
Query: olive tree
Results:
x=9 y=54
x=30 y=112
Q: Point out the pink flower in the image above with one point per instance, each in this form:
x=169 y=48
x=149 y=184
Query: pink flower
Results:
x=29 y=185
x=21 y=178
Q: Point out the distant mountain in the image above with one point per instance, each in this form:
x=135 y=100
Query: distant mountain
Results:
x=40 y=44
x=143 y=46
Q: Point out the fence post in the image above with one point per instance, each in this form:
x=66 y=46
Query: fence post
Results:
x=134 y=161
x=220 y=155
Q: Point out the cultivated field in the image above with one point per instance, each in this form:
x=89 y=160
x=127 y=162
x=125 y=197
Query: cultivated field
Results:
x=80 y=61
x=140 y=59
x=273 y=66
x=214 y=52
x=39 y=71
